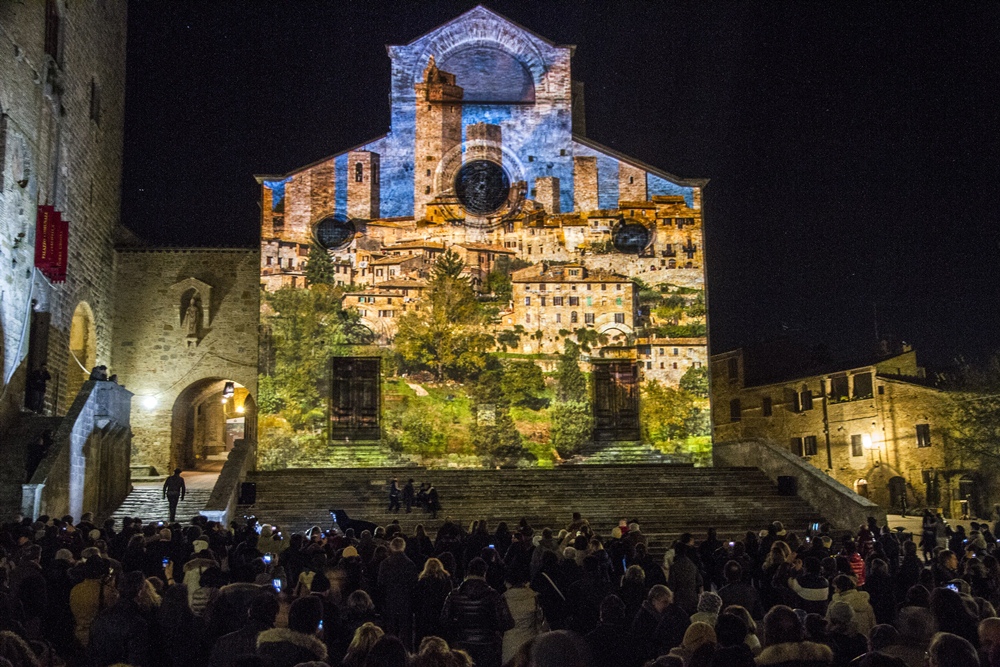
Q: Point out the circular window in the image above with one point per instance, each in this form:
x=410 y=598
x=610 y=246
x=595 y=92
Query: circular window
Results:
x=630 y=237
x=334 y=232
x=482 y=186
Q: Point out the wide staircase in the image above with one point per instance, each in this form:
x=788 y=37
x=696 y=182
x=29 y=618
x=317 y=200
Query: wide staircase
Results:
x=665 y=500
x=147 y=503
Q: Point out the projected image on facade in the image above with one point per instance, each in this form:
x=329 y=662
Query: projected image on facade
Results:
x=483 y=285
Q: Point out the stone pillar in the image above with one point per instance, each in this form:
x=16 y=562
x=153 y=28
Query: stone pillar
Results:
x=584 y=183
x=547 y=193
x=363 y=185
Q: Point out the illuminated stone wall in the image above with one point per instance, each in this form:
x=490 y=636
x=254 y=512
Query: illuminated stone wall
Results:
x=873 y=436
x=61 y=144
x=158 y=357
x=480 y=91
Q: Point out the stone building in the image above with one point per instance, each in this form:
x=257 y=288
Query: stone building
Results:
x=186 y=344
x=558 y=299
x=879 y=428
x=487 y=157
x=62 y=94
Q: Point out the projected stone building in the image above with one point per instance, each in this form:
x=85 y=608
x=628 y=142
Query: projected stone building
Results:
x=484 y=238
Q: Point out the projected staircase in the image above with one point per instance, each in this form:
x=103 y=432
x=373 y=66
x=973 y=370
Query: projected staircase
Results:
x=666 y=500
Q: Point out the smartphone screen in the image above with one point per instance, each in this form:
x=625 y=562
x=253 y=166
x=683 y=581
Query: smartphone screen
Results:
x=267 y=559
x=165 y=561
x=277 y=584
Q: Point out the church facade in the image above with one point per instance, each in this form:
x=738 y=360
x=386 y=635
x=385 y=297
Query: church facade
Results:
x=486 y=169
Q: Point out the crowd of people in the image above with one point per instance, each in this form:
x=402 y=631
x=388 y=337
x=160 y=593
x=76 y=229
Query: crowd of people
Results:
x=173 y=595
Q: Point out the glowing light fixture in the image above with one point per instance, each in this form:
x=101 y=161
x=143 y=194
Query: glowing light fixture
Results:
x=149 y=402
x=240 y=409
x=229 y=390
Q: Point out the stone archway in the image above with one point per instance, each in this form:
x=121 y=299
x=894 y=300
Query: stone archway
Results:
x=82 y=349
x=206 y=419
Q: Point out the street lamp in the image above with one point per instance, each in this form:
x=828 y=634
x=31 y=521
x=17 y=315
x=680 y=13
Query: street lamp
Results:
x=869 y=444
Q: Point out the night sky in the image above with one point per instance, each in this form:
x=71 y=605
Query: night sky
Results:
x=852 y=148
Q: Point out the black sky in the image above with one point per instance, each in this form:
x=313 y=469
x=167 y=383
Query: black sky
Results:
x=852 y=148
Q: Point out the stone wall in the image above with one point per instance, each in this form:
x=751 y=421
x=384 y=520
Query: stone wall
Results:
x=61 y=144
x=87 y=467
x=157 y=357
x=871 y=438
x=838 y=505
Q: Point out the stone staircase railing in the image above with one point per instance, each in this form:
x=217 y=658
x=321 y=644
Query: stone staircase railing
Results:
x=821 y=491
x=87 y=466
x=222 y=503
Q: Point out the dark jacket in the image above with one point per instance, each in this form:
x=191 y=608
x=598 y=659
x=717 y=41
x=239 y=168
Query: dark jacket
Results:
x=476 y=613
x=605 y=642
x=653 y=634
x=235 y=645
x=428 y=601
x=685 y=582
x=119 y=634
x=583 y=601
x=397 y=575
x=281 y=647
x=742 y=593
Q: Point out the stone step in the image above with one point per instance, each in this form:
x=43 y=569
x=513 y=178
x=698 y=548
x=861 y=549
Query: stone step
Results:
x=666 y=500
x=148 y=504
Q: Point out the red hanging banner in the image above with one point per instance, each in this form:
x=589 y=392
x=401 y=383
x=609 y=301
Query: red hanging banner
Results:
x=51 y=243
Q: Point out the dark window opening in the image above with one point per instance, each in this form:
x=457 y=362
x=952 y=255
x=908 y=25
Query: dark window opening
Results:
x=52 y=20
x=863 y=385
x=857 y=446
x=735 y=411
x=733 y=366
x=839 y=388
x=923 y=435
x=796 y=446
x=806 y=400
x=765 y=406
x=619 y=318
x=359 y=172
x=809 y=445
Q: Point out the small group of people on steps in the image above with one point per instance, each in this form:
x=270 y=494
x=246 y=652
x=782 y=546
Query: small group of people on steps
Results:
x=426 y=497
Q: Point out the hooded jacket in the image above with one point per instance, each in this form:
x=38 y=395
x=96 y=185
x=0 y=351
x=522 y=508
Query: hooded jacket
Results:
x=864 y=615
x=281 y=647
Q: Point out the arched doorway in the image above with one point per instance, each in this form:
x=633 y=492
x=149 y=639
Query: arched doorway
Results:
x=207 y=418
x=861 y=487
x=82 y=349
x=968 y=497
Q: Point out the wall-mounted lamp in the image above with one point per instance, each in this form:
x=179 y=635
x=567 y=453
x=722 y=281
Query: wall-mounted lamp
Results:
x=149 y=402
x=229 y=390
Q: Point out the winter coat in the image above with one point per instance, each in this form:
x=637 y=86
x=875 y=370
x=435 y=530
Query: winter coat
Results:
x=864 y=615
x=742 y=593
x=478 y=617
x=812 y=591
x=428 y=599
x=119 y=634
x=235 y=645
x=281 y=647
x=522 y=602
x=685 y=581
x=606 y=647
x=86 y=600
x=397 y=576
x=796 y=654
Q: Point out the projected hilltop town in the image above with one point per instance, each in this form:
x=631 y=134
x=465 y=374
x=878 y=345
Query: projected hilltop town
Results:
x=484 y=284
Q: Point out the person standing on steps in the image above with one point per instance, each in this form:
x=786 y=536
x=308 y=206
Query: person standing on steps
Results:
x=433 y=504
x=394 y=495
x=408 y=496
x=174 y=491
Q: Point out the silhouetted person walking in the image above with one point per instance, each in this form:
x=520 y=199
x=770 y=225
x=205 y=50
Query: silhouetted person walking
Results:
x=173 y=491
